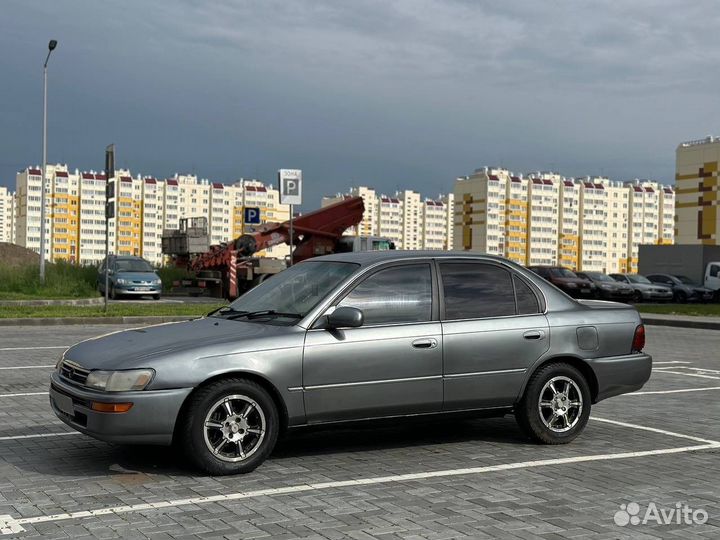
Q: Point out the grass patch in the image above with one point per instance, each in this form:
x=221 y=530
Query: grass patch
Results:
x=62 y=280
x=693 y=310
x=114 y=310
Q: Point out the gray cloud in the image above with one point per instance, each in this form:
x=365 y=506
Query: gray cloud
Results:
x=405 y=93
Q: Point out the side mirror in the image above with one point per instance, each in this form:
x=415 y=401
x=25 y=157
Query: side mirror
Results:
x=345 y=317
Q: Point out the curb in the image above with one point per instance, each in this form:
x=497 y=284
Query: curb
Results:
x=64 y=302
x=681 y=323
x=64 y=321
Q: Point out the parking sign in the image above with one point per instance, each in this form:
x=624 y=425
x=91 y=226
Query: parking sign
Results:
x=251 y=215
x=290 y=185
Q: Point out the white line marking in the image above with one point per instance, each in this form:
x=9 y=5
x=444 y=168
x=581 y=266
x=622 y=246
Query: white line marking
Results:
x=8 y=525
x=39 y=435
x=673 y=391
x=687 y=374
x=701 y=370
x=671 y=362
x=33 y=348
x=24 y=394
x=27 y=367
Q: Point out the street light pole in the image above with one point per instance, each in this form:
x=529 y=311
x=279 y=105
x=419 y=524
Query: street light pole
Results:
x=51 y=47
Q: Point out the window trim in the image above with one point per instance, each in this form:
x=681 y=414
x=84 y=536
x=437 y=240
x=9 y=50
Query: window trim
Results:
x=542 y=305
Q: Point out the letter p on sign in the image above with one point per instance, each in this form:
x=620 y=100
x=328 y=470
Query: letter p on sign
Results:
x=290 y=186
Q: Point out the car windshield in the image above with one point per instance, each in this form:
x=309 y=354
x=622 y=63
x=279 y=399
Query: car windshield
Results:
x=292 y=293
x=133 y=265
x=562 y=273
x=637 y=278
x=685 y=280
x=599 y=276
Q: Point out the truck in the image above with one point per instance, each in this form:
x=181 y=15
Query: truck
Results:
x=229 y=269
x=701 y=263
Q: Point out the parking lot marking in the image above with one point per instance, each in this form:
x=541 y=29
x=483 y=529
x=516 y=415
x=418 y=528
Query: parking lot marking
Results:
x=33 y=348
x=27 y=367
x=38 y=435
x=9 y=525
x=687 y=374
x=680 y=391
x=672 y=362
x=24 y=394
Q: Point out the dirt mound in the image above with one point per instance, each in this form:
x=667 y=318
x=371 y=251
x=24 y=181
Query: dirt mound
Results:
x=16 y=256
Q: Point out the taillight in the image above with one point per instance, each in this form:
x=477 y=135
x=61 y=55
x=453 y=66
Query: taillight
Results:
x=638 y=343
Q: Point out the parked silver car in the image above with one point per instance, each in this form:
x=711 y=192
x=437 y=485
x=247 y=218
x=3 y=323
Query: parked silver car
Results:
x=350 y=337
x=644 y=288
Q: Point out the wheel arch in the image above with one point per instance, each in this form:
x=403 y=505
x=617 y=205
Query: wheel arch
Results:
x=249 y=375
x=574 y=361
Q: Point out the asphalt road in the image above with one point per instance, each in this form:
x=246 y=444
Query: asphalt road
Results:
x=434 y=479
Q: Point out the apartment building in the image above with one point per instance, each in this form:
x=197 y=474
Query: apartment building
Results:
x=590 y=223
x=7 y=215
x=405 y=218
x=697 y=188
x=144 y=207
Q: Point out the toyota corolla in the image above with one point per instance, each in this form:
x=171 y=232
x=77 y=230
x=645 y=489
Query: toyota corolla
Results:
x=352 y=337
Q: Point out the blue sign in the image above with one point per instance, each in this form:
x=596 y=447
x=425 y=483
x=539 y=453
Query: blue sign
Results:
x=251 y=215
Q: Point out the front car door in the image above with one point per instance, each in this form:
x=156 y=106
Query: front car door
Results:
x=494 y=330
x=392 y=365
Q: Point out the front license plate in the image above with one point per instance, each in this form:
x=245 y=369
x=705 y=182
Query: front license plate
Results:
x=142 y=288
x=62 y=402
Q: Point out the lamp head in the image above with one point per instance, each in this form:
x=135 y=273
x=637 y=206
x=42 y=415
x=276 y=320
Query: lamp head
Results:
x=52 y=44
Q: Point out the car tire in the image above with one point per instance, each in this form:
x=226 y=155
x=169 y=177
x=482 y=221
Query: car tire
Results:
x=113 y=294
x=637 y=297
x=681 y=297
x=539 y=420
x=156 y=297
x=255 y=428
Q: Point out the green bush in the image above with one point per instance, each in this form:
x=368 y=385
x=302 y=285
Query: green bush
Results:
x=168 y=274
x=62 y=280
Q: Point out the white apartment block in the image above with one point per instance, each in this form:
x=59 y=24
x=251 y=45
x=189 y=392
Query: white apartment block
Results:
x=404 y=218
x=591 y=223
x=7 y=216
x=144 y=208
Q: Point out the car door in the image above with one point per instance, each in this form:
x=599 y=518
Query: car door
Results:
x=392 y=364
x=493 y=329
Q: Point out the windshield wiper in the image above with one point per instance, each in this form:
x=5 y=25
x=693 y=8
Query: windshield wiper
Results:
x=222 y=310
x=262 y=313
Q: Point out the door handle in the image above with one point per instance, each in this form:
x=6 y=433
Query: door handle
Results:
x=425 y=343
x=534 y=334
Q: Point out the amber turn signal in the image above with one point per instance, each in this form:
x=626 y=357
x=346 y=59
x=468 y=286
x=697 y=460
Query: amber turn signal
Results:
x=111 y=407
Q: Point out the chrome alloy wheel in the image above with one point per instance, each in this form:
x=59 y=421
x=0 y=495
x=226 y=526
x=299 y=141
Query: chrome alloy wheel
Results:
x=234 y=428
x=560 y=404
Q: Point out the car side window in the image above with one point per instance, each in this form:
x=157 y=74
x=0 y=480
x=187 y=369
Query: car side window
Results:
x=527 y=302
x=714 y=270
x=476 y=290
x=400 y=294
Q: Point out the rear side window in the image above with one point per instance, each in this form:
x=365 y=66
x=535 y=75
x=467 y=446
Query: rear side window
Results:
x=476 y=290
x=527 y=302
x=400 y=294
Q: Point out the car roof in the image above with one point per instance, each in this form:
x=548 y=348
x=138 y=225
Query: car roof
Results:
x=367 y=258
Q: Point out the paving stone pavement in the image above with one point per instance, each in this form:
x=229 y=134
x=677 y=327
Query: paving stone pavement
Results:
x=70 y=473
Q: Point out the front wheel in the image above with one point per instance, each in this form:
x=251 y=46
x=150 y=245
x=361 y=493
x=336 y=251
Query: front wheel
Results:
x=229 y=426
x=556 y=405
x=637 y=297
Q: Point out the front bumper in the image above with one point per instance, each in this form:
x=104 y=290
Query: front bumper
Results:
x=617 y=294
x=138 y=289
x=620 y=374
x=656 y=295
x=151 y=420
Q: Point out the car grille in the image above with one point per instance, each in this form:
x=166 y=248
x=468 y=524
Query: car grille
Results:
x=74 y=372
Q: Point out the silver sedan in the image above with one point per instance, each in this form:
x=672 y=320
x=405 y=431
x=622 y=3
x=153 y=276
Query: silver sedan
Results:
x=352 y=337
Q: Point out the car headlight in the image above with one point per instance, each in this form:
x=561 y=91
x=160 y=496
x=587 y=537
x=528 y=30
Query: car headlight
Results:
x=60 y=360
x=121 y=281
x=156 y=282
x=605 y=286
x=120 y=381
x=571 y=285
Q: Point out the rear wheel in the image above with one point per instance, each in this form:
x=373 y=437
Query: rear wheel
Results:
x=681 y=297
x=637 y=297
x=556 y=405
x=229 y=426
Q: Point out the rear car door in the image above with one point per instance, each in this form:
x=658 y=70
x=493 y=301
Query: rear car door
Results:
x=392 y=365
x=493 y=329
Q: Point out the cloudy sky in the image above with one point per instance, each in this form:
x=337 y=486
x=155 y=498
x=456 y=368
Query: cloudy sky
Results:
x=391 y=94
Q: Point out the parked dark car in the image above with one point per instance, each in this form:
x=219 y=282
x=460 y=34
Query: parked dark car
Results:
x=566 y=280
x=129 y=276
x=644 y=288
x=356 y=336
x=684 y=288
x=607 y=287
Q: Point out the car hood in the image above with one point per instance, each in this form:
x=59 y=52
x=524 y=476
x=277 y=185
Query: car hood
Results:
x=137 y=276
x=208 y=336
x=579 y=281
